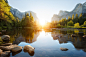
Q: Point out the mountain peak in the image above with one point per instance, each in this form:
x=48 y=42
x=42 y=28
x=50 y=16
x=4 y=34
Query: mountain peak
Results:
x=79 y=8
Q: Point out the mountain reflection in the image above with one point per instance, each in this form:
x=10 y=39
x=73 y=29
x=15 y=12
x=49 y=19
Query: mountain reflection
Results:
x=78 y=42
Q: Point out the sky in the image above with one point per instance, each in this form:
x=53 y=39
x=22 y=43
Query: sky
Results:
x=45 y=9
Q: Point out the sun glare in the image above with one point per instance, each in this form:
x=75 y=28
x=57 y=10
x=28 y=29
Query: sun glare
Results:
x=42 y=22
x=43 y=18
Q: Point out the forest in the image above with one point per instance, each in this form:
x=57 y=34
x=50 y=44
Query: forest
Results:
x=8 y=21
x=77 y=21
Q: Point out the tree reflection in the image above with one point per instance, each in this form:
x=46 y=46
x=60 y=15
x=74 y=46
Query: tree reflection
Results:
x=22 y=35
x=28 y=35
x=78 y=42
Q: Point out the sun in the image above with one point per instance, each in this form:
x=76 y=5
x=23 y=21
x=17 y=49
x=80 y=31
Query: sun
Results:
x=42 y=22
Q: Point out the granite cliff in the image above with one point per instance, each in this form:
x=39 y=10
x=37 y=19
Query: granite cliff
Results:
x=80 y=8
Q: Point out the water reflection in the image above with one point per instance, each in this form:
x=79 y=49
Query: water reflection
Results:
x=22 y=35
x=78 y=42
x=47 y=43
x=30 y=53
x=15 y=53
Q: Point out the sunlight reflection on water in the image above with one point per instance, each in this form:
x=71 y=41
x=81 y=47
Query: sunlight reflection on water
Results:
x=46 y=44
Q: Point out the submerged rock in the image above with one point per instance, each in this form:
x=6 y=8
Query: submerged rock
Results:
x=16 y=49
x=5 y=37
x=63 y=49
x=29 y=49
x=8 y=48
x=73 y=35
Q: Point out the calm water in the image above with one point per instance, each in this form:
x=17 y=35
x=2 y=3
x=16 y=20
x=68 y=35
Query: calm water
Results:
x=46 y=43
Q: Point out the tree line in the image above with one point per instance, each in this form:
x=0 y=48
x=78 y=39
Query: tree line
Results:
x=8 y=21
x=70 y=22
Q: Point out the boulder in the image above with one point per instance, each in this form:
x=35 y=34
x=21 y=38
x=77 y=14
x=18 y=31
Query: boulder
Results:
x=8 y=48
x=16 y=49
x=0 y=51
x=5 y=37
x=6 y=44
x=63 y=49
x=84 y=36
x=5 y=54
x=73 y=35
x=29 y=49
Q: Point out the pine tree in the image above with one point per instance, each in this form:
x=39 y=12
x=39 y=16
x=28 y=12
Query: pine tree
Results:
x=80 y=16
x=76 y=16
x=72 y=16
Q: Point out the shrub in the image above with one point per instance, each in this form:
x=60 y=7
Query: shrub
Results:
x=76 y=25
x=70 y=23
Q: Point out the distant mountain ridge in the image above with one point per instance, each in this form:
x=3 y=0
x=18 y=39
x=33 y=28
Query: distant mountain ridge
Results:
x=80 y=8
x=20 y=15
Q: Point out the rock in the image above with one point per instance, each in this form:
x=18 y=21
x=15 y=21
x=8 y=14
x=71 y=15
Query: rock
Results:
x=0 y=32
x=20 y=15
x=5 y=37
x=0 y=51
x=6 y=44
x=73 y=35
x=8 y=48
x=84 y=36
x=5 y=54
x=16 y=49
x=14 y=53
x=3 y=30
x=29 y=49
x=63 y=49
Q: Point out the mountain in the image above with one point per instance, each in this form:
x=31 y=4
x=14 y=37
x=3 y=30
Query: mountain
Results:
x=20 y=15
x=80 y=8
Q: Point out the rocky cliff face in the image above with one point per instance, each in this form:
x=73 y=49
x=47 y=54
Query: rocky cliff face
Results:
x=80 y=8
x=20 y=15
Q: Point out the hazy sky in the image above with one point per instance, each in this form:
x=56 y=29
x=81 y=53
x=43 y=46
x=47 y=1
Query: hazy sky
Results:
x=44 y=9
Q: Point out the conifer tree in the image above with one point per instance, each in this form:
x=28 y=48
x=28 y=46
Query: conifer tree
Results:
x=72 y=16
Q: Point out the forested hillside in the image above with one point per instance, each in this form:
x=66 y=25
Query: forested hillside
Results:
x=7 y=20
